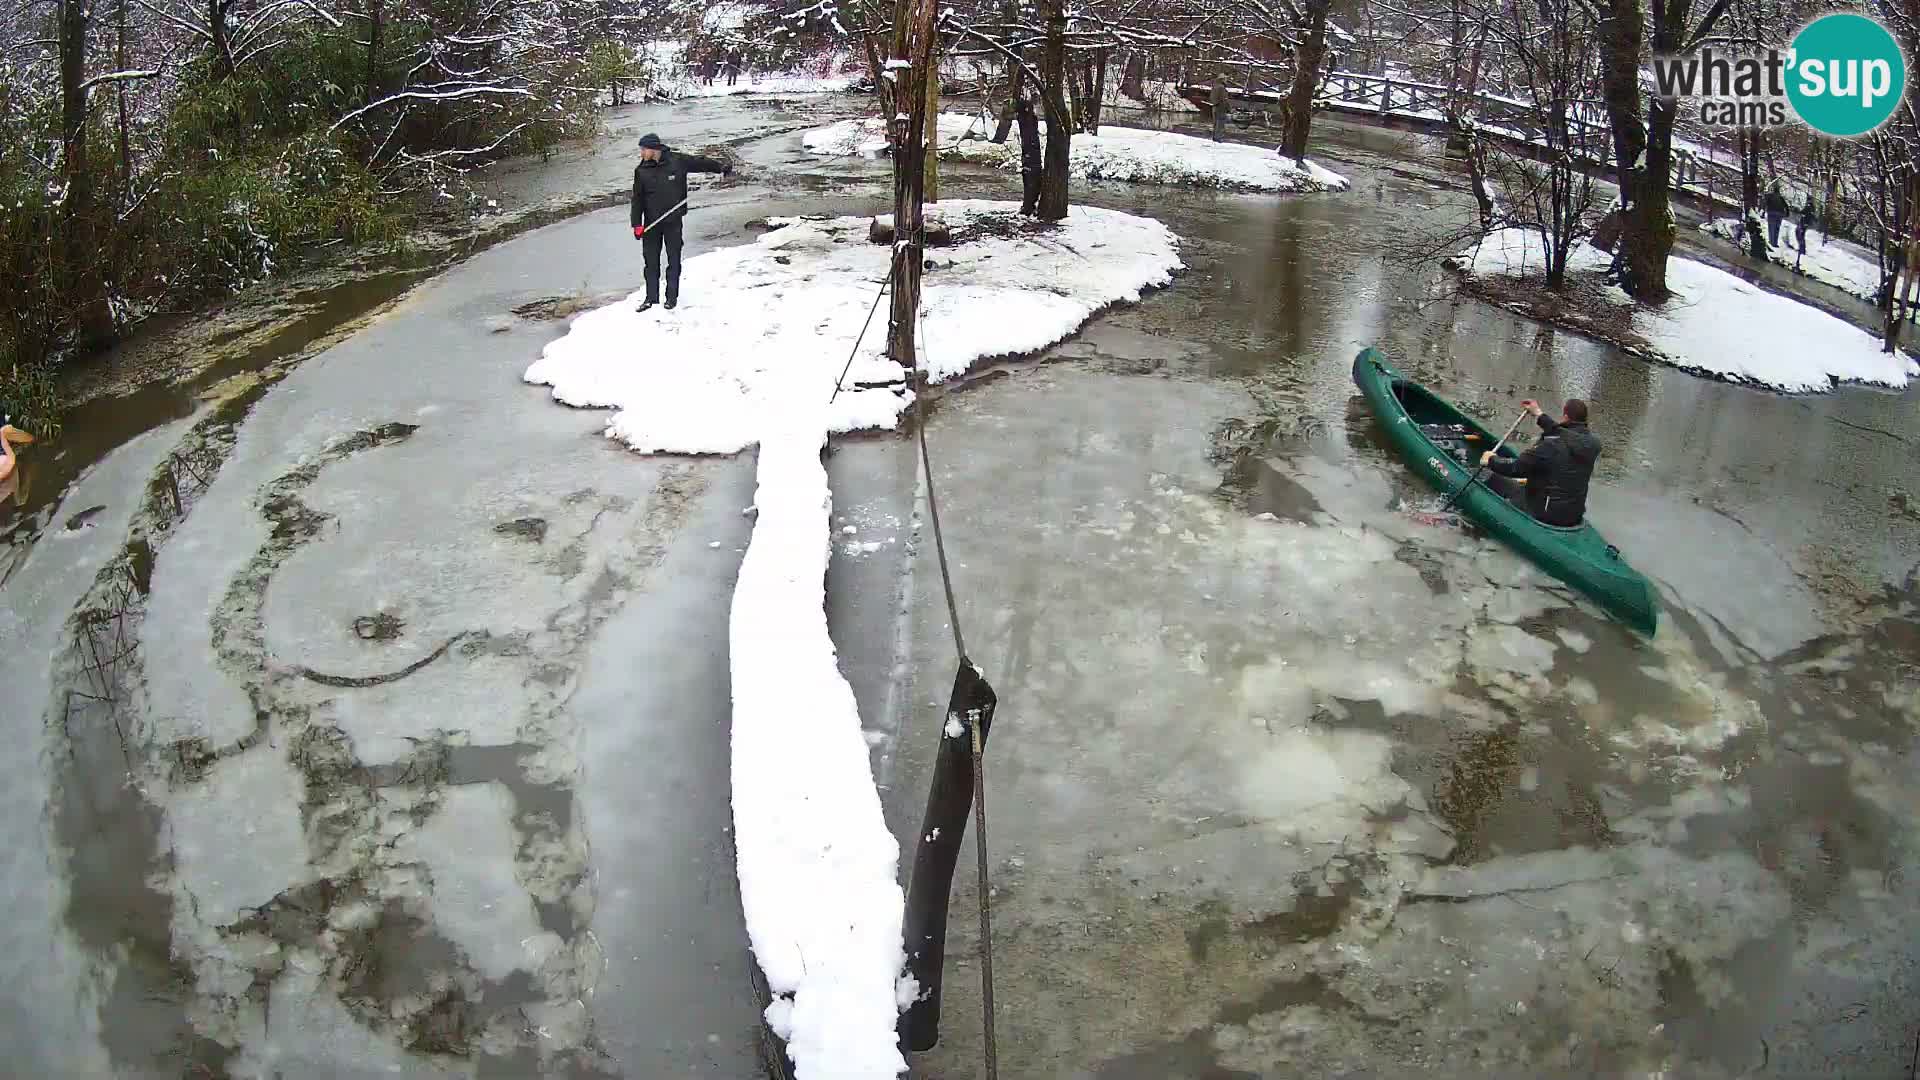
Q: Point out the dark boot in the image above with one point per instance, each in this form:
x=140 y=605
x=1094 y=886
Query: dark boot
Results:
x=647 y=303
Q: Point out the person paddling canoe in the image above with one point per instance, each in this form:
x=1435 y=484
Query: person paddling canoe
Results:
x=1551 y=478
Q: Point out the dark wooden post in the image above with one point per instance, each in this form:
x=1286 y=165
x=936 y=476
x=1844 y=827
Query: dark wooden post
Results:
x=949 y=798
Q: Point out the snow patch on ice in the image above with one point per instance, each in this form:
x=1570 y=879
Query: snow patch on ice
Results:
x=477 y=901
x=774 y=326
x=232 y=863
x=1317 y=783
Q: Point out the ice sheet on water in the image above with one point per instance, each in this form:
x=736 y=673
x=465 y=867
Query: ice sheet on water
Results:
x=230 y=863
x=478 y=904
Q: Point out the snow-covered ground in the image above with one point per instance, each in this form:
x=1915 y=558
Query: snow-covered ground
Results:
x=867 y=136
x=754 y=356
x=1843 y=265
x=1155 y=97
x=1718 y=325
x=830 y=74
x=770 y=82
x=1117 y=153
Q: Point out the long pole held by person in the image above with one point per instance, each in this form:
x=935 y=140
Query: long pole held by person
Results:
x=1475 y=478
x=662 y=217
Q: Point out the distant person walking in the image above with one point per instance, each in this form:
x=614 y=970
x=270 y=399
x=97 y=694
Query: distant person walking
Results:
x=660 y=207
x=1777 y=208
x=1800 y=231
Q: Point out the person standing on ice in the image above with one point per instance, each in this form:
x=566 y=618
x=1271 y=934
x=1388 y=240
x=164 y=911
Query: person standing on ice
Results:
x=660 y=206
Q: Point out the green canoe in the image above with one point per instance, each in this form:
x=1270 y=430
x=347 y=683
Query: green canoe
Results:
x=1413 y=417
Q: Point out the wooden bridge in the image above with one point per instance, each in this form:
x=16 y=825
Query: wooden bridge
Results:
x=1424 y=107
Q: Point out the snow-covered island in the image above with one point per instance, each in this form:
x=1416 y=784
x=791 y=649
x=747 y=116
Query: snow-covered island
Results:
x=1134 y=155
x=1715 y=324
x=753 y=357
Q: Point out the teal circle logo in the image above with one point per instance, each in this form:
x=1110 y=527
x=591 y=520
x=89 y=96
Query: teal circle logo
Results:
x=1847 y=75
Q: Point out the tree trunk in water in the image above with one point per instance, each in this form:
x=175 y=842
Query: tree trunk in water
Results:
x=1750 y=209
x=1074 y=110
x=1219 y=109
x=1308 y=55
x=933 y=123
x=1005 y=123
x=914 y=18
x=376 y=25
x=1053 y=173
x=1133 y=76
x=84 y=265
x=1096 y=92
x=1621 y=47
x=120 y=94
x=1648 y=236
x=878 y=67
x=1648 y=227
x=1477 y=174
x=1029 y=153
x=1906 y=276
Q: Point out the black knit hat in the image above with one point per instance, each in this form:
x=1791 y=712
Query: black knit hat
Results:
x=650 y=141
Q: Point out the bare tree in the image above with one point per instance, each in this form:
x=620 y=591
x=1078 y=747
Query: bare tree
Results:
x=915 y=43
x=1541 y=186
x=1643 y=147
x=1309 y=54
x=95 y=317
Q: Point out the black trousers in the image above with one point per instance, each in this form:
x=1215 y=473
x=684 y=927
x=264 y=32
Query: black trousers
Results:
x=1507 y=489
x=668 y=235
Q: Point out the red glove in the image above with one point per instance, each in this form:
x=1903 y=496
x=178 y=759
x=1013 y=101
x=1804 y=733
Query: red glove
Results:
x=639 y=232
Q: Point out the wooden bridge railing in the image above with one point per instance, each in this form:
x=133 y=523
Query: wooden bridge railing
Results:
x=1508 y=119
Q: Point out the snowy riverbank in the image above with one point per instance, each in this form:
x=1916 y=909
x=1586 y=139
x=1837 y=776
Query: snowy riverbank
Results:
x=1838 y=263
x=1715 y=324
x=1135 y=155
x=753 y=358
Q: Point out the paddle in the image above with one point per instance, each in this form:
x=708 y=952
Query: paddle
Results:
x=1475 y=478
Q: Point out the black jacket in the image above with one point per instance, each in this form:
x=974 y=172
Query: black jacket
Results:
x=661 y=185
x=1558 y=469
x=1776 y=205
